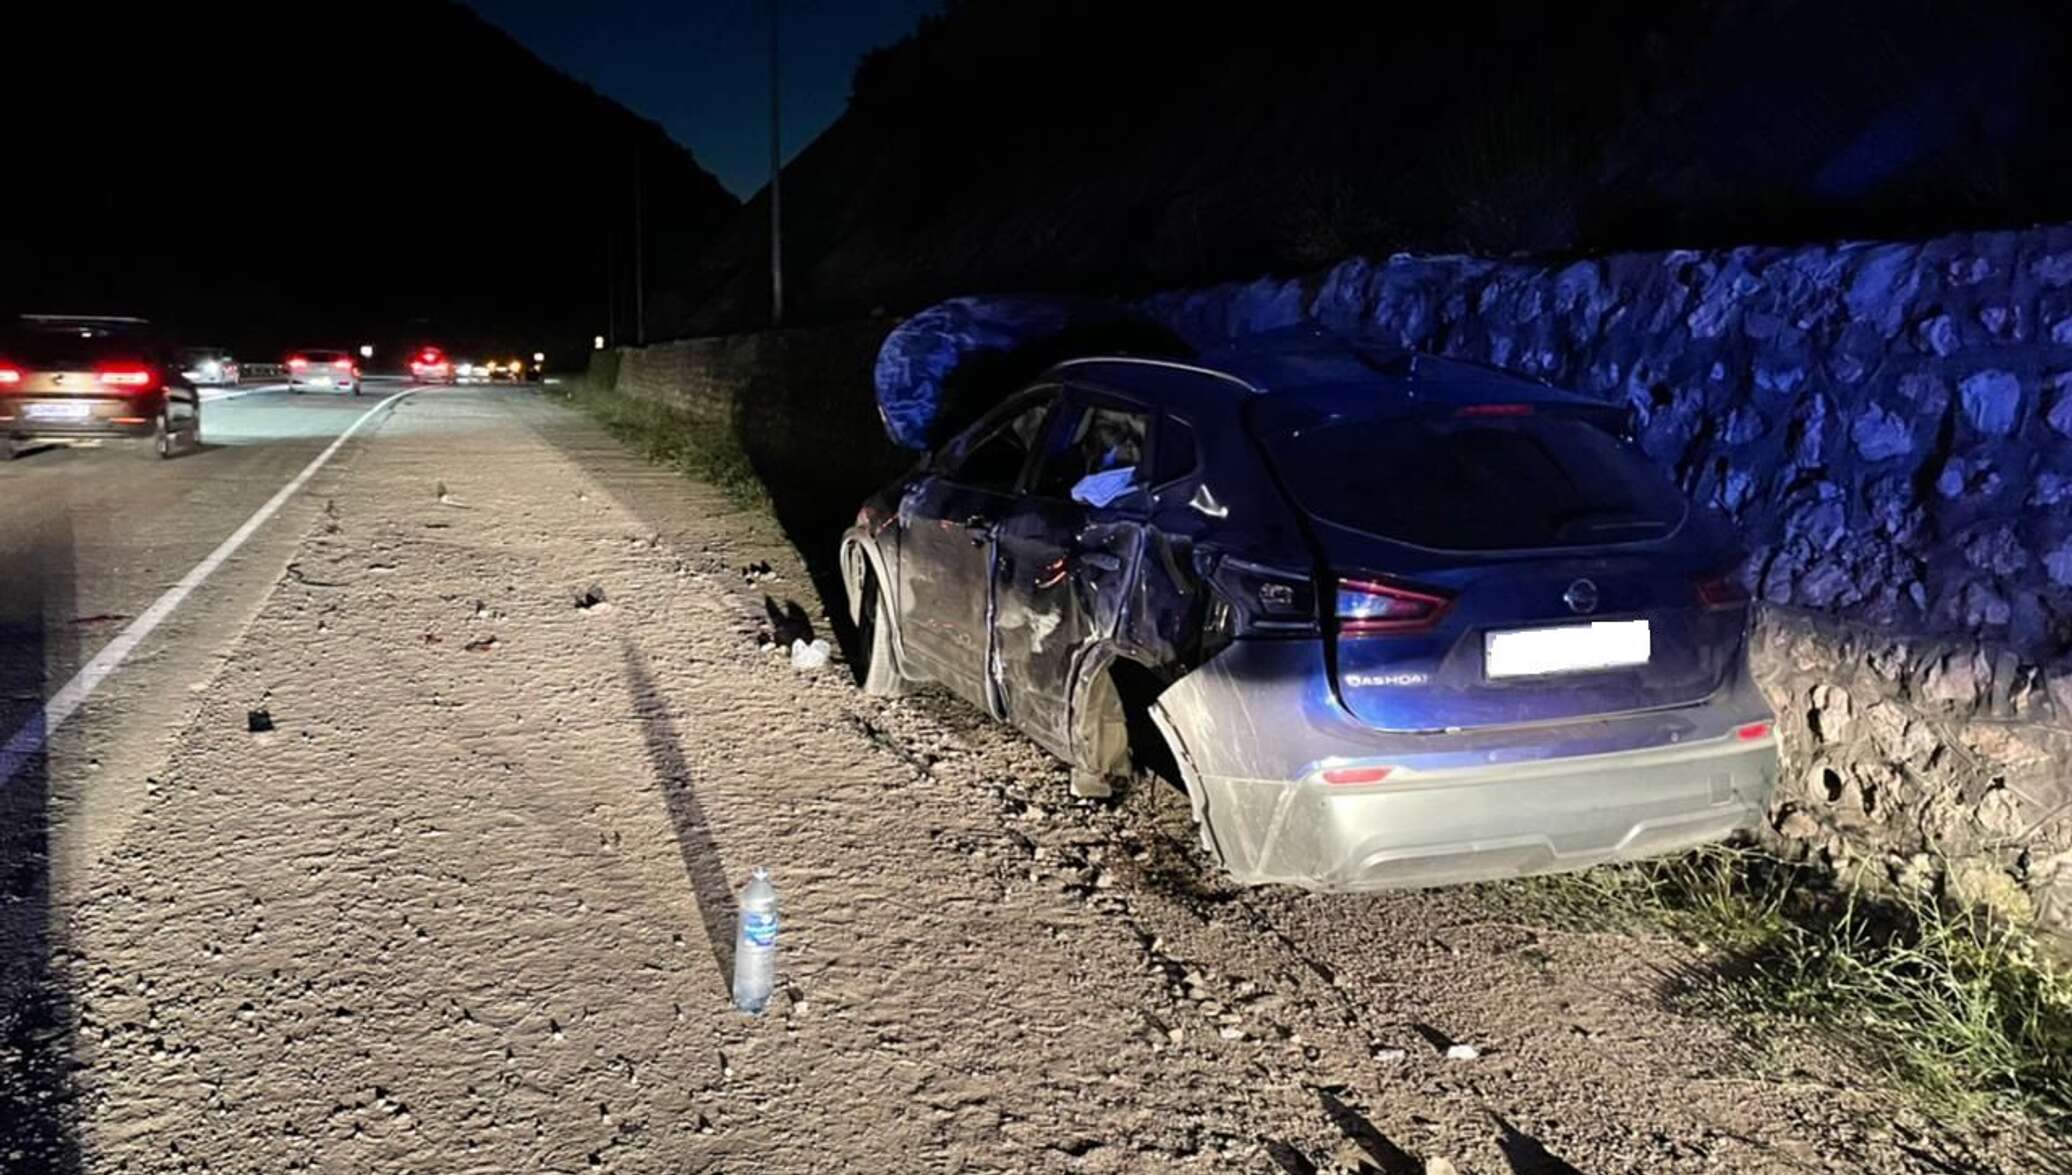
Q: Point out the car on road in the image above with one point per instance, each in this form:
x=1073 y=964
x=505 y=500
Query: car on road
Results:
x=506 y=370
x=209 y=367
x=72 y=380
x=430 y=366
x=323 y=371
x=1391 y=620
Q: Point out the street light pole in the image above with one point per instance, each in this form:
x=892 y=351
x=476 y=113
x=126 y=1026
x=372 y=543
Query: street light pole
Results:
x=776 y=195
x=639 y=286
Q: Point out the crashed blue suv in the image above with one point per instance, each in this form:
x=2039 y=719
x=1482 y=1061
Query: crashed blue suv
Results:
x=1391 y=620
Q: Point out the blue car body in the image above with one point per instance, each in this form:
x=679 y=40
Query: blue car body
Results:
x=1392 y=620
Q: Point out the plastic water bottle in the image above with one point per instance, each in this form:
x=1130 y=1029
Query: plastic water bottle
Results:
x=755 y=943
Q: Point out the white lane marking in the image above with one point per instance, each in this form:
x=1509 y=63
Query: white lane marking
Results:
x=29 y=741
x=211 y=395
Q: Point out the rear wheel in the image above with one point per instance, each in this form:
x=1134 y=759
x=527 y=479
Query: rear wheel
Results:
x=878 y=673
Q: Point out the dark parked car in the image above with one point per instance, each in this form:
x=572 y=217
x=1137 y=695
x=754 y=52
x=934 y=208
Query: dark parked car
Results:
x=1392 y=620
x=70 y=380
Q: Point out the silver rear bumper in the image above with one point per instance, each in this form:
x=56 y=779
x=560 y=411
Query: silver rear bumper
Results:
x=1455 y=807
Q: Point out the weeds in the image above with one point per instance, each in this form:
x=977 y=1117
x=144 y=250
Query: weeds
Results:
x=1955 y=1008
x=666 y=437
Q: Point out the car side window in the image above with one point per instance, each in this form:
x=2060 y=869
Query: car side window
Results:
x=995 y=459
x=1095 y=439
x=1177 y=454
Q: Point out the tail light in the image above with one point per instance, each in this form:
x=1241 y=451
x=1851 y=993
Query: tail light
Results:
x=1347 y=776
x=1721 y=592
x=9 y=374
x=1369 y=607
x=297 y=363
x=130 y=377
x=342 y=364
x=1752 y=731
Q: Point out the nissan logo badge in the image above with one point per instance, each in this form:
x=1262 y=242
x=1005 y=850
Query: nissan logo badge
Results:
x=1581 y=597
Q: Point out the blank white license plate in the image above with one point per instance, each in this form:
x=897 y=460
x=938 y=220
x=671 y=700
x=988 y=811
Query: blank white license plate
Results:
x=322 y=381
x=1569 y=648
x=58 y=410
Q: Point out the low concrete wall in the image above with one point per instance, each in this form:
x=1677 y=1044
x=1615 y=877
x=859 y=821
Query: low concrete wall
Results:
x=798 y=402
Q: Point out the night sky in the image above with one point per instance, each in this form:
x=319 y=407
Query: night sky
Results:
x=700 y=67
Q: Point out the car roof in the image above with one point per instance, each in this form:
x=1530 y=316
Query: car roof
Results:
x=1310 y=365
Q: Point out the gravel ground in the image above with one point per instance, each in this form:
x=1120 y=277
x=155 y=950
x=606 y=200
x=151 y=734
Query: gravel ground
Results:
x=466 y=907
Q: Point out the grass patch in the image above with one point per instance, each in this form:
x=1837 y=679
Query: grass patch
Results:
x=1952 y=1007
x=666 y=437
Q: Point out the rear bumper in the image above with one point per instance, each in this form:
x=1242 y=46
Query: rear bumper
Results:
x=1455 y=807
x=104 y=418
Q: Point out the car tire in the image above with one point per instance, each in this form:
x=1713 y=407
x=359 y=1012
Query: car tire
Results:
x=162 y=437
x=878 y=671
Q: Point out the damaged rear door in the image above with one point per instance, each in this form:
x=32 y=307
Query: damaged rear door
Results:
x=947 y=530
x=1065 y=557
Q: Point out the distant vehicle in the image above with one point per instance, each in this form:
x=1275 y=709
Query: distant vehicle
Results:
x=324 y=371
x=81 y=380
x=1391 y=620
x=209 y=367
x=506 y=370
x=430 y=366
x=467 y=371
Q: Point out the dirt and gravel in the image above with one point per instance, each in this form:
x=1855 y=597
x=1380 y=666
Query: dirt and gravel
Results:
x=466 y=907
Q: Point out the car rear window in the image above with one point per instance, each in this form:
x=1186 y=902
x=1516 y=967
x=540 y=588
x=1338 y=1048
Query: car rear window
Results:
x=62 y=350
x=1479 y=483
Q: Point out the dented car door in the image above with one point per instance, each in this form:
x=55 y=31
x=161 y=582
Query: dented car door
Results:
x=1064 y=558
x=948 y=520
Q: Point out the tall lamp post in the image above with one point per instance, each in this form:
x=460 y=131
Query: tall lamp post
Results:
x=776 y=195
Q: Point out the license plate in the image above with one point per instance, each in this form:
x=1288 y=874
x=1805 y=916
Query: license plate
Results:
x=1568 y=648
x=57 y=410
x=322 y=381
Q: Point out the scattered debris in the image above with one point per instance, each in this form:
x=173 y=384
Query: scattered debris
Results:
x=808 y=657
x=1463 y=1052
x=589 y=598
x=258 y=721
x=758 y=571
x=481 y=645
x=433 y=638
x=100 y=618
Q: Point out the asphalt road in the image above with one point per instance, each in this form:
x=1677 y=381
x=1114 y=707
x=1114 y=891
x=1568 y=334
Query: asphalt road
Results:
x=91 y=537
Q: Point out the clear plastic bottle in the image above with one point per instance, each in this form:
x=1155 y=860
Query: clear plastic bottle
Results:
x=755 y=943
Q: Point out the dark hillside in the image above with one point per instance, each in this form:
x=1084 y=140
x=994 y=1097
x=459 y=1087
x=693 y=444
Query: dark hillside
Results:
x=268 y=175
x=1075 y=145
